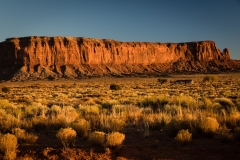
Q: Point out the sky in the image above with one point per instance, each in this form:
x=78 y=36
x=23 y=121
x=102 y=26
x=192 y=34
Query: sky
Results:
x=126 y=20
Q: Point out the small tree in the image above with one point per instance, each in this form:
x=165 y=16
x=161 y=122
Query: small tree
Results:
x=162 y=80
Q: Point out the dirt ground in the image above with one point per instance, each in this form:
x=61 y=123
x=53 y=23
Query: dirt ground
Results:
x=155 y=146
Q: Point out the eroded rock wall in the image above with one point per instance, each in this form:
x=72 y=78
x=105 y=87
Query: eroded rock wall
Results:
x=69 y=56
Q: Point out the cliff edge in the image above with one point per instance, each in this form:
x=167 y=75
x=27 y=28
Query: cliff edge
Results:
x=71 y=57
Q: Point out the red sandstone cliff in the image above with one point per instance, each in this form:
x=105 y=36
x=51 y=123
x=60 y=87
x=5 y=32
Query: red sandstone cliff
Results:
x=41 y=57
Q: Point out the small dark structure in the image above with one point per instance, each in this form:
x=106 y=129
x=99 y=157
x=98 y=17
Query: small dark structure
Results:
x=185 y=81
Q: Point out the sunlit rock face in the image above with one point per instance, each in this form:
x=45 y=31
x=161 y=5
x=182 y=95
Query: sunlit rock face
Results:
x=42 y=57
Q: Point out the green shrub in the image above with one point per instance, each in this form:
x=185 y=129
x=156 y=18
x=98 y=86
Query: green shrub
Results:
x=183 y=136
x=97 y=138
x=114 y=139
x=209 y=126
x=115 y=87
x=8 y=145
x=5 y=89
x=67 y=137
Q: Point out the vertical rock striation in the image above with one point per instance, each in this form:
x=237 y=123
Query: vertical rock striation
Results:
x=41 y=57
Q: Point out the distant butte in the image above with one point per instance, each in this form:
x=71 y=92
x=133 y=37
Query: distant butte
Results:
x=33 y=58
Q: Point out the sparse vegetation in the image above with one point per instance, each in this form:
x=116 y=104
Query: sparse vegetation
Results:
x=97 y=138
x=67 y=137
x=114 y=139
x=183 y=136
x=8 y=145
x=210 y=79
x=87 y=112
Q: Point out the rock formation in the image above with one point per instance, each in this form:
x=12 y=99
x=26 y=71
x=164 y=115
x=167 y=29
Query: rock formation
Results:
x=55 y=57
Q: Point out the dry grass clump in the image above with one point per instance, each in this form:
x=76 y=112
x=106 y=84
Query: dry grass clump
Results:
x=8 y=145
x=173 y=127
x=23 y=136
x=183 y=136
x=226 y=104
x=81 y=126
x=209 y=126
x=114 y=139
x=67 y=136
x=97 y=138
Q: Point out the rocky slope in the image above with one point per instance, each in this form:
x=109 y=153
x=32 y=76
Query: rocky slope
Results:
x=55 y=57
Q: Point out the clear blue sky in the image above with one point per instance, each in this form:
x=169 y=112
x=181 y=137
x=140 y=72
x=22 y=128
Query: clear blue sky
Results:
x=126 y=20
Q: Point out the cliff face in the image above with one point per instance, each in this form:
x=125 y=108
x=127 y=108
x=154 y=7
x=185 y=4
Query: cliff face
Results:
x=41 y=57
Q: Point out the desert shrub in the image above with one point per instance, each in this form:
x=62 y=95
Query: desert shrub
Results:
x=226 y=104
x=210 y=79
x=114 y=139
x=173 y=127
x=237 y=133
x=88 y=109
x=81 y=126
x=115 y=87
x=8 y=145
x=185 y=101
x=110 y=123
x=162 y=80
x=183 y=136
x=156 y=103
x=97 y=138
x=5 y=89
x=109 y=103
x=209 y=126
x=55 y=110
x=69 y=113
x=67 y=136
x=23 y=136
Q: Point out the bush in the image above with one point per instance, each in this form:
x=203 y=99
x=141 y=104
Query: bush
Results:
x=8 y=145
x=183 y=136
x=97 y=138
x=114 y=139
x=115 y=87
x=173 y=127
x=155 y=103
x=5 y=89
x=81 y=126
x=210 y=79
x=67 y=136
x=226 y=104
x=162 y=80
x=209 y=126
x=23 y=136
